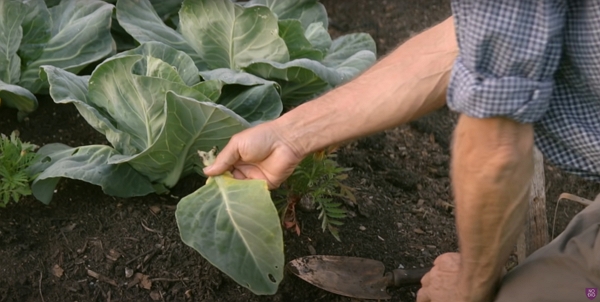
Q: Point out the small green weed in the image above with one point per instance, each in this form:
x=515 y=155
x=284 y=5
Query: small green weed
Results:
x=15 y=158
x=317 y=180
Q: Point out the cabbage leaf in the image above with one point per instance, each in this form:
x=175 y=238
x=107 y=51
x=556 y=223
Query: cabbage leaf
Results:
x=235 y=226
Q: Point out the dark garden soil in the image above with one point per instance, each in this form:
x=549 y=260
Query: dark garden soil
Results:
x=86 y=246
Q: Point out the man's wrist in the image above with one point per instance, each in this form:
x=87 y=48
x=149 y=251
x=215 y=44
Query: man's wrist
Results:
x=473 y=291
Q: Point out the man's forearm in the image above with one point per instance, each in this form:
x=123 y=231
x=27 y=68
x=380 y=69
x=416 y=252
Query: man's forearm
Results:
x=492 y=167
x=407 y=84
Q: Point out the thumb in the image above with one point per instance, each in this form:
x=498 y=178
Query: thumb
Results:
x=224 y=161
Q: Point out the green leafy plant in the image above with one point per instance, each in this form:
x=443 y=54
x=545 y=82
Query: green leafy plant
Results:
x=317 y=181
x=70 y=35
x=15 y=158
x=156 y=113
x=152 y=107
x=285 y=41
x=228 y=220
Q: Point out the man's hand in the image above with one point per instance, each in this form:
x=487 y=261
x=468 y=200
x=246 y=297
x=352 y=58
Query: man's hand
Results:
x=441 y=283
x=257 y=153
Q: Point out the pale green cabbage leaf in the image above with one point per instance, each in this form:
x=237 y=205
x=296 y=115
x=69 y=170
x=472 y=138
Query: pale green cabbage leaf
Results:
x=86 y=163
x=235 y=226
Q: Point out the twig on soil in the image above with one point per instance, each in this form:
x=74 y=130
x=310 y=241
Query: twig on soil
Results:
x=40 y=286
x=65 y=237
x=140 y=256
x=102 y=278
x=148 y=257
x=170 y=279
x=101 y=225
x=178 y=277
x=150 y=230
x=81 y=250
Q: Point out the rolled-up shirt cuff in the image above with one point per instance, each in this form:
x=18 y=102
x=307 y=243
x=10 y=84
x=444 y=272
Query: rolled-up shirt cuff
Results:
x=518 y=98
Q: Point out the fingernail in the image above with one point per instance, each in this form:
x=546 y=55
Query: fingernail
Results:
x=207 y=169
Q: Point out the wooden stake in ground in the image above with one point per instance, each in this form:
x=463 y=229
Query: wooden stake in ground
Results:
x=535 y=235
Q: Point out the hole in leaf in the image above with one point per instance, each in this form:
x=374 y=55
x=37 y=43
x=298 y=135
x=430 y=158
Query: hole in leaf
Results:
x=47 y=159
x=75 y=151
x=272 y=278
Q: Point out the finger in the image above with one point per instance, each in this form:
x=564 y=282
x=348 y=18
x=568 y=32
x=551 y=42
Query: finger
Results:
x=253 y=172
x=225 y=160
x=423 y=296
x=237 y=174
x=426 y=280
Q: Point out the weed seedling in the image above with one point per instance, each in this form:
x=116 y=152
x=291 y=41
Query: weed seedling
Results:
x=15 y=158
x=317 y=180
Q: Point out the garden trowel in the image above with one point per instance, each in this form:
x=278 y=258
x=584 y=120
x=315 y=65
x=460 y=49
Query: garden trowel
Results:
x=351 y=276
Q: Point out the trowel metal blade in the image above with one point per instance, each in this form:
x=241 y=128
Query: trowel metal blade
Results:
x=348 y=276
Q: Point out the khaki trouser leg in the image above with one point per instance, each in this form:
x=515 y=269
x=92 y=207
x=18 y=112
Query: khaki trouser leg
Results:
x=562 y=270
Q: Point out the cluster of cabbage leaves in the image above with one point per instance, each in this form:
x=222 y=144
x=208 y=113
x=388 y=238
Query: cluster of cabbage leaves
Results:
x=227 y=67
x=70 y=35
x=285 y=41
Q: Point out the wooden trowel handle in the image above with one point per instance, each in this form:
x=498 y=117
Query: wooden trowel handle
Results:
x=403 y=277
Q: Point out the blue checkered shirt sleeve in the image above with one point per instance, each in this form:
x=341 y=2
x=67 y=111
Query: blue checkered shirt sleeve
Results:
x=509 y=52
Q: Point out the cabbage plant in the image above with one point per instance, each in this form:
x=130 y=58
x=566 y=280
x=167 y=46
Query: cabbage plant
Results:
x=70 y=35
x=156 y=112
x=285 y=41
